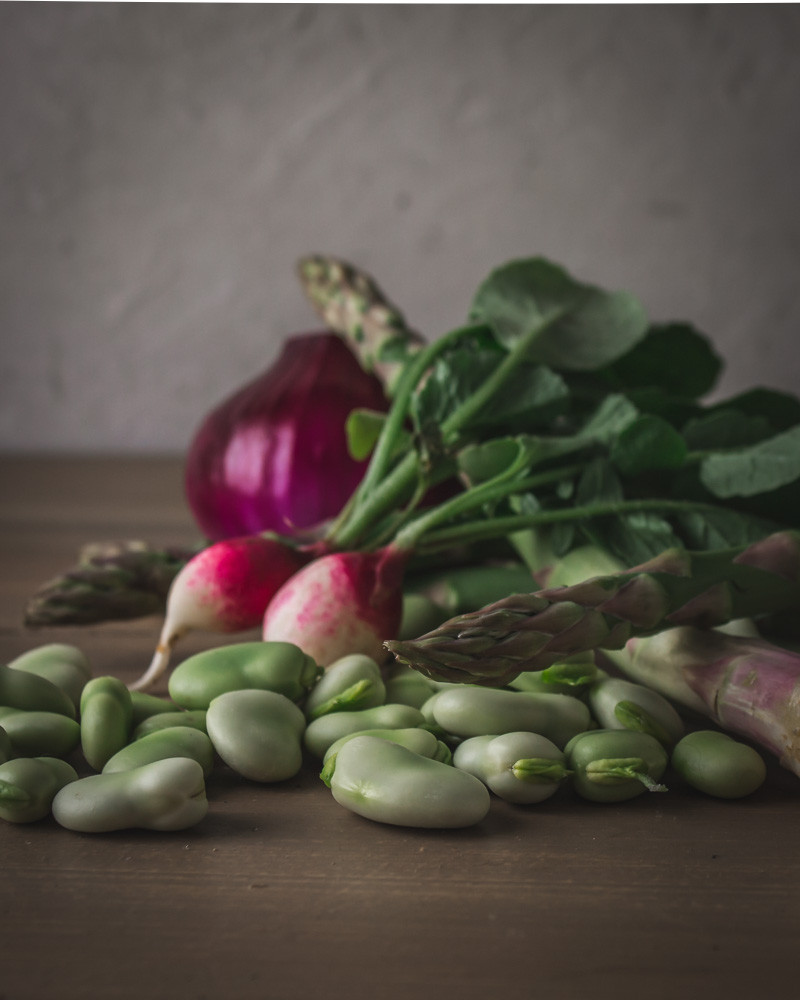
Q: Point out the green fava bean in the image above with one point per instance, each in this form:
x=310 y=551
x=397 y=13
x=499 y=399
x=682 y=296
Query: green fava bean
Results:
x=613 y=765
x=29 y=692
x=621 y=704
x=145 y=706
x=41 y=734
x=519 y=767
x=322 y=732
x=421 y=741
x=192 y=719
x=257 y=733
x=165 y=795
x=714 y=763
x=406 y=686
x=280 y=667
x=29 y=785
x=388 y=783
x=63 y=665
x=177 y=741
x=476 y=711
x=6 y=750
x=349 y=684
x=106 y=713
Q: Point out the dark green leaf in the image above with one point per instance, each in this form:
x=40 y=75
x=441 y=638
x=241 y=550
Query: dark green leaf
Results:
x=598 y=484
x=721 y=529
x=780 y=408
x=632 y=538
x=673 y=357
x=614 y=414
x=647 y=445
x=726 y=428
x=761 y=468
x=581 y=327
x=453 y=379
x=533 y=393
x=674 y=409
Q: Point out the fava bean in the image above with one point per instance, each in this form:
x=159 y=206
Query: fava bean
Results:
x=419 y=740
x=714 y=763
x=28 y=786
x=257 y=734
x=41 y=734
x=420 y=615
x=145 y=706
x=165 y=795
x=6 y=750
x=613 y=765
x=178 y=741
x=389 y=783
x=621 y=704
x=322 y=732
x=31 y=693
x=349 y=684
x=406 y=686
x=106 y=713
x=518 y=767
x=193 y=719
x=477 y=711
x=280 y=667
x=63 y=665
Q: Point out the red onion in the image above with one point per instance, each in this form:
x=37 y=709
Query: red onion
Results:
x=273 y=456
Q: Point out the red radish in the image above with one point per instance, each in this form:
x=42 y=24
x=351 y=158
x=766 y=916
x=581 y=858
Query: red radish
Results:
x=273 y=456
x=342 y=603
x=224 y=588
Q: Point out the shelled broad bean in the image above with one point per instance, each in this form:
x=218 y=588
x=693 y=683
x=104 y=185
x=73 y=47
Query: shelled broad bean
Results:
x=395 y=747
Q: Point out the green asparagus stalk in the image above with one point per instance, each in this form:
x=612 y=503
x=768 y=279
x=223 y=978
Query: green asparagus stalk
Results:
x=527 y=632
x=111 y=581
x=351 y=303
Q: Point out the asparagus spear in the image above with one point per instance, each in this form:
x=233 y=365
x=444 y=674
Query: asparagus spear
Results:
x=112 y=581
x=352 y=304
x=530 y=631
x=745 y=685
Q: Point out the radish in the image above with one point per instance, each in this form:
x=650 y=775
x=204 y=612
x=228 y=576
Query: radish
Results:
x=342 y=603
x=224 y=588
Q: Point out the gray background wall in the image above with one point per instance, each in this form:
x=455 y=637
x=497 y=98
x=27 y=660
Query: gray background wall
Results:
x=162 y=166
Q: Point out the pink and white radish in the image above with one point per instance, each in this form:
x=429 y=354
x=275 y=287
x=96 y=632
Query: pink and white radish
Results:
x=224 y=588
x=342 y=603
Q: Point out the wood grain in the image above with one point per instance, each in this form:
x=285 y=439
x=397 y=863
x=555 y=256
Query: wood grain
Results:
x=281 y=893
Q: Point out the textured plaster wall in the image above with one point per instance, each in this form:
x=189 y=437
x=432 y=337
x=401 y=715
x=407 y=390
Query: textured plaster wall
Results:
x=162 y=166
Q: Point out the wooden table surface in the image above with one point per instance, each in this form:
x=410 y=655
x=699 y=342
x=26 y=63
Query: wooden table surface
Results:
x=281 y=893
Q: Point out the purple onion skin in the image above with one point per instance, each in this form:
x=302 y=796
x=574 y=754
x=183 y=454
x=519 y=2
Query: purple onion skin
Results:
x=273 y=456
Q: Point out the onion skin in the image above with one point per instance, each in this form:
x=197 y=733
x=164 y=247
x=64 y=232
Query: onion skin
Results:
x=340 y=604
x=273 y=456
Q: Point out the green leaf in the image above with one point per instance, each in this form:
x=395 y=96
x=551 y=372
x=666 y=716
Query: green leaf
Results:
x=582 y=327
x=453 y=379
x=598 y=484
x=363 y=427
x=632 y=538
x=721 y=529
x=614 y=414
x=480 y=462
x=647 y=445
x=673 y=357
x=761 y=468
x=674 y=409
x=532 y=394
x=726 y=428
x=780 y=408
